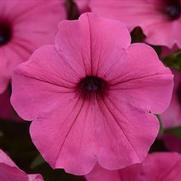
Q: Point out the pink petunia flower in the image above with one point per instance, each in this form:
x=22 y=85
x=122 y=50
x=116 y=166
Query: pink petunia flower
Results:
x=159 y=19
x=172 y=116
x=156 y=167
x=9 y=171
x=24 y=26
x=95 y=101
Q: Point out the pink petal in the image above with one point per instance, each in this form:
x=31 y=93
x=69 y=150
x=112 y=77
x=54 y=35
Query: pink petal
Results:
x=172 y=115
x=9 y=171
x=41 y=31
x=89 y=132
x=46 y=83
x=142 y=80
x=168 y=168
x=131 y=173
x=120 y=135
x=74 y=126
x=166 y=36
x=147 y=14
x=99 y=173
x=157 y=166
x=35 y=177
x=6 y=160
x=132 y=13
x=28 y=34
x=82 y=41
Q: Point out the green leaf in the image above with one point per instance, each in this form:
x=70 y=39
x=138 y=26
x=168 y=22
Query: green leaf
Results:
x=37 y=162
x=173 y=60
x=176 y=131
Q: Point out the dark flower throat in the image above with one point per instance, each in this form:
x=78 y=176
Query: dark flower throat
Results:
x=5 y=32
x=92 y=85
x=173 y=9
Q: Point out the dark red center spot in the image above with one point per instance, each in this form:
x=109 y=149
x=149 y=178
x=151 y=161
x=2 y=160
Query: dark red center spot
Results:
x=173 y=9
x=5 y=32
x=92 y=85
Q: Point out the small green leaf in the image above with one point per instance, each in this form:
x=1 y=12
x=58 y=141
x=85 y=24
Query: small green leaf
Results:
x=37 y=162
x=176 y=131
x=173 y=60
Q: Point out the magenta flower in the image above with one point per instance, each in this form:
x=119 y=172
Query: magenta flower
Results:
x=156 y=167
x=24 y=26
x=92 y=96
x=172 y=116
x=9 y=171
x=159 y=19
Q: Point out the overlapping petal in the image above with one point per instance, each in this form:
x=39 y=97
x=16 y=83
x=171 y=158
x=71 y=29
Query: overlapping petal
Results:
x=149 y=15
x=133 y=13
x=171 y=117
x=49 y=79
x=157 y=166
x=141 y=85
x=87 y=47
x=9 y=171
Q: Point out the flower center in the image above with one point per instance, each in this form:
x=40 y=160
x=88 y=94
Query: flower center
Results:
x=178 y=93
x=5 y=32
x=92 y=85
x=173 y=9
